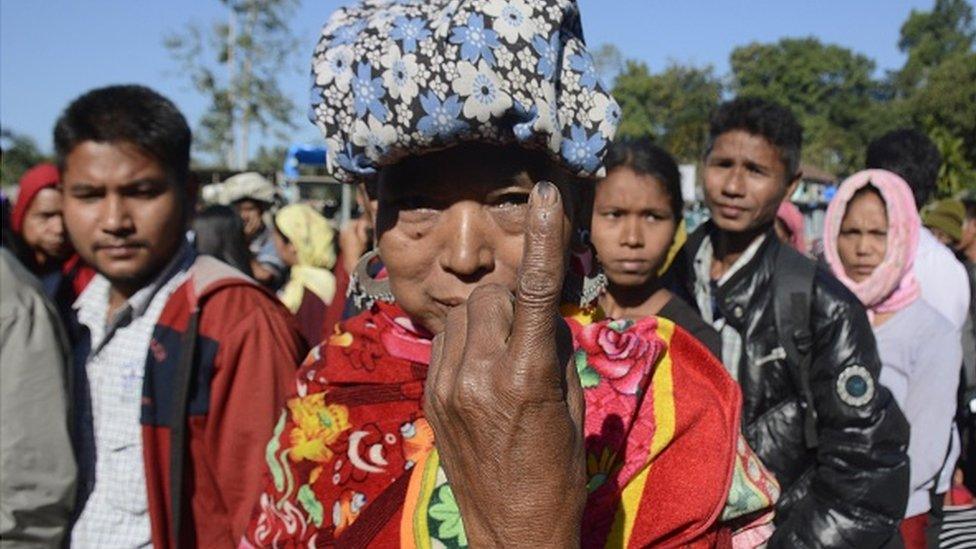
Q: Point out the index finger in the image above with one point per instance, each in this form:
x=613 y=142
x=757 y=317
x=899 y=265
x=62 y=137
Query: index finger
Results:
x=540 y=278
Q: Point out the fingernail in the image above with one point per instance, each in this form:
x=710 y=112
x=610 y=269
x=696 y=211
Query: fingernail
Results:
x=547 y=192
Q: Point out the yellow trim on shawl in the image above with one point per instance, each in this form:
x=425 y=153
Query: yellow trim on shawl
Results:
x=413 y=521
x=662 y=385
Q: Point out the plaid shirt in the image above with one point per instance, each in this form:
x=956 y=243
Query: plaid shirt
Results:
x=111 y=470
x=705 y=289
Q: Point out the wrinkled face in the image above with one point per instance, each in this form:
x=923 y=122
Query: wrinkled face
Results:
x=250 y=212
x=454 y=220
x=632 y=226
x=43 y=228
x=745 y=181
x=863 y=238
x=125 y=215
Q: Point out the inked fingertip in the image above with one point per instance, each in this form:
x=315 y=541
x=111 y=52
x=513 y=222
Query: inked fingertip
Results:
x=546 y=192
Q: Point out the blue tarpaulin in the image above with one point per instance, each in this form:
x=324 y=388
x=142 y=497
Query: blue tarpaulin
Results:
x=302 y=154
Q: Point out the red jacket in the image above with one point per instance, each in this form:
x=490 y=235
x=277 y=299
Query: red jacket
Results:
x=247 y=350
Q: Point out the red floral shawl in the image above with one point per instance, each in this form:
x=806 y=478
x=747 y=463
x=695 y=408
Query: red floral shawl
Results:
x=353 y=463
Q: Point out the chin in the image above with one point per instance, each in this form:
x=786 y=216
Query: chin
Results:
x=629 y=280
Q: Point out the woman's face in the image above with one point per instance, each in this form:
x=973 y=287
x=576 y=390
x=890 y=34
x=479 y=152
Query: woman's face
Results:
x=286 y=250
x=863 y=239
x=632 y=226
x=454 y=220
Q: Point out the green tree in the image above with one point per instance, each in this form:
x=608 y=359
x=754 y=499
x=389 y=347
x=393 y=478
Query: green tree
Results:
x=20 y=153
x=931 y=37
x=672 y=107
x=948 y=102
x=828 y=87
x=237 y=64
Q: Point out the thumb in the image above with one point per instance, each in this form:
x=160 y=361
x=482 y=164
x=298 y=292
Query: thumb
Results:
x=540 y=277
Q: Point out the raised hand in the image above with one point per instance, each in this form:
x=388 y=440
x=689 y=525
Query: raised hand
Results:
x=505 y=401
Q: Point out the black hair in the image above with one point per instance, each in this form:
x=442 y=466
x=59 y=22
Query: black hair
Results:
x=970 y=206
x=645 y=158
x=220 y=233
x=127 y=114
x=771 y=121
x=910 y=154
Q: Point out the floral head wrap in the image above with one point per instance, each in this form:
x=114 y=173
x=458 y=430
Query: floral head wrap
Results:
x=892 y=286
x=396 y=79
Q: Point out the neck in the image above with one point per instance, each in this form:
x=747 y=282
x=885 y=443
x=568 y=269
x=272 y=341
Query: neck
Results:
x=634 y=302
x=728 y=247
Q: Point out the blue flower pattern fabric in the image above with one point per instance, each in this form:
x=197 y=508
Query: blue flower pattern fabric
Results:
x=396 y=78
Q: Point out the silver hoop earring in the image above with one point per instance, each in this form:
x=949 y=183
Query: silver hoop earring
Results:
x=363 y=288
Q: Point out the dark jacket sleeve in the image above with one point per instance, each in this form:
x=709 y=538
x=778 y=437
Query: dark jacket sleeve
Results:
x=859 y=487
x=260 y=349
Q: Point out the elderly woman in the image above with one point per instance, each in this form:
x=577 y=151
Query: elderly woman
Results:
x=871 y=233
x=461 y=409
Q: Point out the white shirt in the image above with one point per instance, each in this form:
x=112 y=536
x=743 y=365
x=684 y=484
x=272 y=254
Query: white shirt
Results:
x=116 y=512
x=945 y=285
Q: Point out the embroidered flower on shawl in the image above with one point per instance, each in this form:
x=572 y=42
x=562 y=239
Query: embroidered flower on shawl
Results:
x=408 y=32
x=444 y=509
x=476 y=41
x=317 y=426
x=441 y=119
x=548 y=55
x=621 y=356
x=512 y=19
x=400 y=74
x=483 y=89
x=368 y=92
x=581 y=150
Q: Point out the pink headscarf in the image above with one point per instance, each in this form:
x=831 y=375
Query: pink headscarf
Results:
x=792 y=217
x=892 y=286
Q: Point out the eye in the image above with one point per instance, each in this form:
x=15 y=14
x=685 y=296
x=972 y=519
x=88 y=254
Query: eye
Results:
x=611 y=214
x=511 y=200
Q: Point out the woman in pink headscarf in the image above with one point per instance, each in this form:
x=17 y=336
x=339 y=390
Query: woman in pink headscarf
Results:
x=870 y=241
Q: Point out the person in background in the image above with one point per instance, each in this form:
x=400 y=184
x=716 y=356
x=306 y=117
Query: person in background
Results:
x=36 y=217
x=185 y=360
x=219 y=232
x=636 y=210
x=37 y=464
x=915 y=158
x=870 y=242
x=813 y=409
x=304 y=239
x=791 y=227
x=944 y=219
x=966 y=251
x=252 y=196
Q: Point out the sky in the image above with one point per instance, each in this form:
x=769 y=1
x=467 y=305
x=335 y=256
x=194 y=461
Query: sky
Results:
x=54 y=50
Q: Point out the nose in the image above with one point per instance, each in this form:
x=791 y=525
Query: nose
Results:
x=116 y=219
x=57 y=226
x=733 y=184
x=469 y=253
x=633 y=237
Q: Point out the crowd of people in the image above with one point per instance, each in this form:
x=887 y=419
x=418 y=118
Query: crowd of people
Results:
x=516 y=343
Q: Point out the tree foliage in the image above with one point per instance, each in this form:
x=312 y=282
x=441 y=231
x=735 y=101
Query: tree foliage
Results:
x=836 y=94
x=829 y=88
x=20 y=153
x=672 y=107
x=237 y=65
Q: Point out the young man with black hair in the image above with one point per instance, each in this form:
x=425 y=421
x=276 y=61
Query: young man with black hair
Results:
x=813 y=409
x=913 y=156
x=185 y=361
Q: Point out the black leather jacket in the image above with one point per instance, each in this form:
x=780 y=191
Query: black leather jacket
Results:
x=852 y=488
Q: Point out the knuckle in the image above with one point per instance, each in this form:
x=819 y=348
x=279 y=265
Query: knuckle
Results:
x=537 y=287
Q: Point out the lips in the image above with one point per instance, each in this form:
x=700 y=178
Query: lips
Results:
x=631 y=265
x=118 y=251
x=729 y=211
